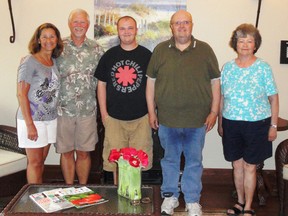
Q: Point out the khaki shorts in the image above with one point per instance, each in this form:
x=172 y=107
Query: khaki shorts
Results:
x=76 y=133
x=120 y=134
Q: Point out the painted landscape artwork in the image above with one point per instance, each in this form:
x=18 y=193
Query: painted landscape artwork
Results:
x=152 y=16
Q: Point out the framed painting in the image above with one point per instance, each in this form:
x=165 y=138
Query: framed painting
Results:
x=153 y=19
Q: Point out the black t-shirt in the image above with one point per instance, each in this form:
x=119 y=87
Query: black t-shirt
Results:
x=125 y=75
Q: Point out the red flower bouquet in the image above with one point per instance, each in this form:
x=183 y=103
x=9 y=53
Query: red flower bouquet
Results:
x=130 y=161
x=134 y=157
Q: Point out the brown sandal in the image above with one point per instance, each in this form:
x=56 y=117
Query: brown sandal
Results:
x=236 y=210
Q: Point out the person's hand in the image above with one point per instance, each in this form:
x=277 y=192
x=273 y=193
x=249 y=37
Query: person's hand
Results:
x=220 y=130
x=272 y=135
x=104 y=118
x=32 y=132
x=153 y=121
x=210 y=121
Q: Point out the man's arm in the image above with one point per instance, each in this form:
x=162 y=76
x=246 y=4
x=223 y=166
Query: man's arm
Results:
x=101 y=94
x=150 y=94
x=212 y=117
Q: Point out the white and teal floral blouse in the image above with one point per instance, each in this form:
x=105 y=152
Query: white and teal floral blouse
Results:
x=246 y=91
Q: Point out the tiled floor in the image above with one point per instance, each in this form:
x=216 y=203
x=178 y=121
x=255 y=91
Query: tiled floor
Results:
x=217 y=195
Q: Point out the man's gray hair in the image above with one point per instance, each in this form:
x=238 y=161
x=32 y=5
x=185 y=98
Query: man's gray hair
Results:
x=78 y=11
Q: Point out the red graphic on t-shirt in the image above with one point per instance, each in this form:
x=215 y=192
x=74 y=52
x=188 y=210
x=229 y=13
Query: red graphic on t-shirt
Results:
x=126 y=75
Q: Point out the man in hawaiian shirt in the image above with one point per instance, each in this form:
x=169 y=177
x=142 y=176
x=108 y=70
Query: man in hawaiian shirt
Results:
x=77 y=127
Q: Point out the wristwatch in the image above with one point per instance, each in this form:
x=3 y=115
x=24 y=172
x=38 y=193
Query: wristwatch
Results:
x=273 y=126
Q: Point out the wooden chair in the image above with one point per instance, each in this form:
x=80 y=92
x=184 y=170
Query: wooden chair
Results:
x=281 y=158
x=261 y=188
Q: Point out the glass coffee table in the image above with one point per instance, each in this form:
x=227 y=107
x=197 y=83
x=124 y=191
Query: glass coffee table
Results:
x=21 y=204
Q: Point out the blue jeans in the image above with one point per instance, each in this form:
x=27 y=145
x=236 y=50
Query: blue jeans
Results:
x=190 y=141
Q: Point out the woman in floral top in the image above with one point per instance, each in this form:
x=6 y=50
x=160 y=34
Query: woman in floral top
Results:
x=249 y=113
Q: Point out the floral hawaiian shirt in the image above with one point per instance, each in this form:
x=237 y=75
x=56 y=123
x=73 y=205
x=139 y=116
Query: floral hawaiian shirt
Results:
x=76 y=65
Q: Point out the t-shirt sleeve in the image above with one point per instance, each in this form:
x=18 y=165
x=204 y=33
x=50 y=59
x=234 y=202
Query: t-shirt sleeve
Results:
x=269 y=80
x=100 y=72
x=26 y=70
x=213 y=65
x=222 y=78
x=151 y=69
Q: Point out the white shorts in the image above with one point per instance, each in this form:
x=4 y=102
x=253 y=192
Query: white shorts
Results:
x=46 y=134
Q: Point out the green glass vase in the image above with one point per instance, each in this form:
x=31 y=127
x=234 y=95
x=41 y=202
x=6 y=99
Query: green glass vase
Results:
x=129 y=180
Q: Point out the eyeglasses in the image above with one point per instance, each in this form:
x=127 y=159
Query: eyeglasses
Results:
x=185 y=23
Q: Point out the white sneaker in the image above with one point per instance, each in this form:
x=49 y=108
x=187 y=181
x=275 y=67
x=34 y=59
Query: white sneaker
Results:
x=168 y=205
x=194 y=209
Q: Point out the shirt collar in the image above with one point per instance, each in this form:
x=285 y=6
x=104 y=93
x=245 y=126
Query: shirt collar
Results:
x=85 y=42
x=190 y=47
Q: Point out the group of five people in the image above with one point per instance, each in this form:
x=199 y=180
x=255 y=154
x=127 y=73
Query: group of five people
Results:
x=178 y=90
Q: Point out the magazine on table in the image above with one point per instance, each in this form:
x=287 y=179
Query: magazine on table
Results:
x=83 y=197
x=63 y=198
x=51 y=203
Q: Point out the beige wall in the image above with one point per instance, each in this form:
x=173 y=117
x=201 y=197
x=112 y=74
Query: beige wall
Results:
x=213 y=22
